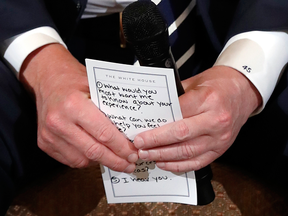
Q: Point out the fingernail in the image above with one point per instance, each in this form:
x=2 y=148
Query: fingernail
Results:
x=160 y=165
x=132 y=158
x=130 y=168
x=143 y=154
x=138 y=142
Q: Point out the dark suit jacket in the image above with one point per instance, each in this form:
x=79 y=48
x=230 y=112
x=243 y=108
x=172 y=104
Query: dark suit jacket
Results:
x=222 y=19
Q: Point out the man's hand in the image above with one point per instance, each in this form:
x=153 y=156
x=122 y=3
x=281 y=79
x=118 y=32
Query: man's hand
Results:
x=71 y=129
x=215 y=106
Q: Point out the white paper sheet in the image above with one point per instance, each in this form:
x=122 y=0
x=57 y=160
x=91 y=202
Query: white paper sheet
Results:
x=137 y=99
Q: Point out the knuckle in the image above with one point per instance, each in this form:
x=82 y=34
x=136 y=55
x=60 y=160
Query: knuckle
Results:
x=95 y=153
x=44 y=147
x=44 y=140
x=160 y=155
x=187 y=151
x=53 y=121
x=154 y=138
x=70 y=101
x=80 y=163
x=44 y=136
x=177 y=168
x=106 y=134
x=181 y=131
x=226 y=137
x=117 y=166
x=224 y=119
x=54 y=117
x=197 y=165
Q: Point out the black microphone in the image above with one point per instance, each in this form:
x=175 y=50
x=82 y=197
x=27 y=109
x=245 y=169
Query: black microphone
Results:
x=145 y=30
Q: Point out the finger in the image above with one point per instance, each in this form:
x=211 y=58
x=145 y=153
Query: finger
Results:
x=192 y=164
x=178 y=152
x=96 y=151
x=101 y=128
x=81 y=149
x=70 y=156
x=176 y=132
x=66 y=154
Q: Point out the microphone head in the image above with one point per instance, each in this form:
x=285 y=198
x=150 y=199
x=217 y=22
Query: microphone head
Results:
x=146 y=30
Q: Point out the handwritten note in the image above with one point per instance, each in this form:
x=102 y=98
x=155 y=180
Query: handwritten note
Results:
x=137 y=99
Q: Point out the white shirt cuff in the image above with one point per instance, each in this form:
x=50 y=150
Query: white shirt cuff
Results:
x=260 y=56
x=27 y=42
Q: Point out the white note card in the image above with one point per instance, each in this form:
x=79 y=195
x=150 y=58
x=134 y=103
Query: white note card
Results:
x=137 y=99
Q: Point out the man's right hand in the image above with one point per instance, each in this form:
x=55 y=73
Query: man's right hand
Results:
x=71 y=129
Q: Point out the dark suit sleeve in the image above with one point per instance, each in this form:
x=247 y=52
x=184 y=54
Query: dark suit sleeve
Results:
x=223 y=19
x=18 y=16
x=259 y=15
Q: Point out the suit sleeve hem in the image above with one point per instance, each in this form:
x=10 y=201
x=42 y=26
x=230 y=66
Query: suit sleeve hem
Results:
x=24 y=44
